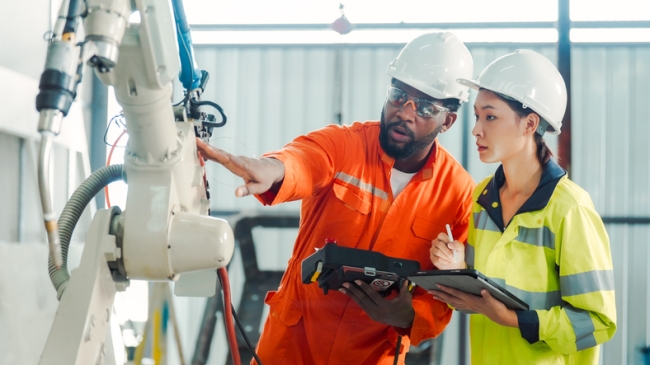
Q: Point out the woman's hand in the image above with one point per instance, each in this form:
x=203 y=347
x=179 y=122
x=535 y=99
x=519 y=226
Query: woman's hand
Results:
x=485 y=304
x=442 y=253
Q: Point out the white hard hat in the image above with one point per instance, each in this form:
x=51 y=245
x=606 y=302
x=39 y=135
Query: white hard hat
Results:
x=532 y=80
x=431 y=63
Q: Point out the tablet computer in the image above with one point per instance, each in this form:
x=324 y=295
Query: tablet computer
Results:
x=467 y=280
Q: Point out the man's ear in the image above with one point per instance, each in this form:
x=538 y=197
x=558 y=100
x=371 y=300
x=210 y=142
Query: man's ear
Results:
x=450 y=119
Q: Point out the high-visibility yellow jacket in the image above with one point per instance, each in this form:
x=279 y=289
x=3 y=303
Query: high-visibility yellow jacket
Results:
x=342 y=176
x=554 y=255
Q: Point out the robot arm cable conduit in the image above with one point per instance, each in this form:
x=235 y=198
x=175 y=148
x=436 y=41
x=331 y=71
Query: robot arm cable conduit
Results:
x=71 y=214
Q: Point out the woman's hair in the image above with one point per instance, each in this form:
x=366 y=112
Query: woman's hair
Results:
x=543 y=152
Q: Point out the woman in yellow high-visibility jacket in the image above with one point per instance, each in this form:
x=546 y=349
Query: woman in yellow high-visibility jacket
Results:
x=532 y=230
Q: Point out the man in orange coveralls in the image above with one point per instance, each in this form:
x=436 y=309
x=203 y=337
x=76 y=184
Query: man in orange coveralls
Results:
x=385 y=186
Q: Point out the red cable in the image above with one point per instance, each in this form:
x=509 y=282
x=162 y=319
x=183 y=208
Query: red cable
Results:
x=108 y=162
x=230 y=325
x=227 y=312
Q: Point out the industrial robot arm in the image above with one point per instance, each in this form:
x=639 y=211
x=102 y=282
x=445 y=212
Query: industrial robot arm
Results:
x=165 y=229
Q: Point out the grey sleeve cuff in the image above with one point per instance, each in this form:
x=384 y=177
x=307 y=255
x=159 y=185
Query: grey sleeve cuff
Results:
x=528 y=325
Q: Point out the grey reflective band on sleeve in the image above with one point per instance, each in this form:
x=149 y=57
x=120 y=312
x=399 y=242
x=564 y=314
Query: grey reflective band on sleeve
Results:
x=587 y=282
x=535 y=300
x=583 y=327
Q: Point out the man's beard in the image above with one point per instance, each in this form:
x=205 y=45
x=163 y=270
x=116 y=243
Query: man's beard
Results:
x=410 y=148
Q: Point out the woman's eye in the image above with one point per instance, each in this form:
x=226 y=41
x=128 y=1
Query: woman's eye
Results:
x=490 y=117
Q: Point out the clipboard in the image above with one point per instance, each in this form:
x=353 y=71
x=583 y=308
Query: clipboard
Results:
x=468 y=280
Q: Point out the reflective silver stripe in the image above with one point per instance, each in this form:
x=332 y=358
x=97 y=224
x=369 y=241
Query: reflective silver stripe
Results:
x=362 y=185
x=535 y=300
x=542 y=237
x=587 y=282
x=483 y=221
x=469 y=255
x=583 y=327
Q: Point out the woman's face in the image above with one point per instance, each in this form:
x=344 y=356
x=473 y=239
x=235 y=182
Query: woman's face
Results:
x=499 y=131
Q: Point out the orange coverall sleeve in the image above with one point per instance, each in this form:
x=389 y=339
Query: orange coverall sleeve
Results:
x=309 y=164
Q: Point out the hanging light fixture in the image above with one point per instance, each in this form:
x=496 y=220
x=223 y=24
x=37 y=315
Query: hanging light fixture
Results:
x=342 y=25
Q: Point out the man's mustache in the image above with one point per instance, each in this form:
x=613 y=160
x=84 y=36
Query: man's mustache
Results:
x=404 y=129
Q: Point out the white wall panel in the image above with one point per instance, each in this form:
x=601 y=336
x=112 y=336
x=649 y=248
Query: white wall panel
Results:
x=9 y=187
x=31 y=227
x=630 y=255
x=26 y=49
x=27 y=299
x=19 y=147
x=365 y=81
x=273 y=247
x=610 y=161
x=611 y=129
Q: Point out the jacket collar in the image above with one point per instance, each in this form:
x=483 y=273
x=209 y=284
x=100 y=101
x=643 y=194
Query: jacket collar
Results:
x=491 y=202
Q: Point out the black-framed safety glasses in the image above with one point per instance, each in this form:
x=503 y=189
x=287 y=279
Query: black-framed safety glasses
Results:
x=424 y=108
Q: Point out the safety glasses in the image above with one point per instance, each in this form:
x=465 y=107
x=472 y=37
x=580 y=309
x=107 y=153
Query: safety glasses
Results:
x=424 y=108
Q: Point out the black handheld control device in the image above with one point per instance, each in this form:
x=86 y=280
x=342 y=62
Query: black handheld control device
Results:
x=334 y=265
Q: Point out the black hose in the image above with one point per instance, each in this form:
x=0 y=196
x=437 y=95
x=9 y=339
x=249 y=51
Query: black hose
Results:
x=397 y=348
x=224 y=119
x=243 y=333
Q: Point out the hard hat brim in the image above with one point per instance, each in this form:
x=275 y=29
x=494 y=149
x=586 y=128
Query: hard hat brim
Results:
x=472 y=84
